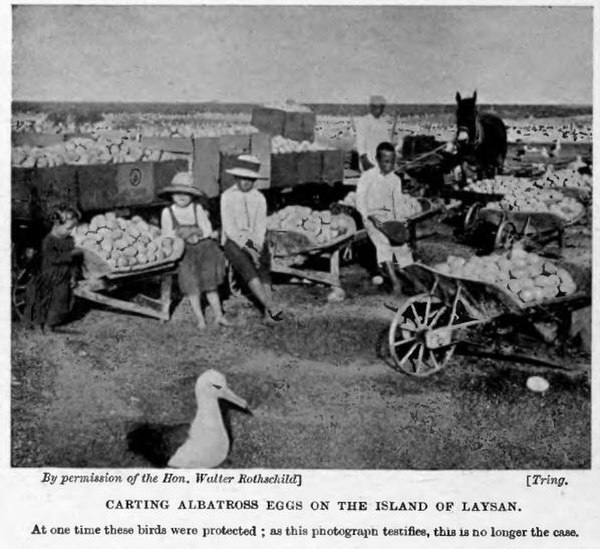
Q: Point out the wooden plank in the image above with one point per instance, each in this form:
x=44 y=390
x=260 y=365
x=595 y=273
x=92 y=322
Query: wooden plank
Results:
x=135 y=183
x=227 y=161
x=310 y=166
x=118 y=303
x=21 y=193
x=36 y=139
x=206 y=165
x=269 y=121
x=234 y=144
x=284 y=170
x=299 y=126
x=333 y=167
x=97 y=186
x=316 y=276
x=260 y=146
x=169 y=144
x=165 y=171
x=54 y=186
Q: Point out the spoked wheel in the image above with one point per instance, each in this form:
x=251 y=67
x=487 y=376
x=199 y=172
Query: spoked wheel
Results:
x=22 y=272
x=420 y=337
x=506 y=235
x=471 y=217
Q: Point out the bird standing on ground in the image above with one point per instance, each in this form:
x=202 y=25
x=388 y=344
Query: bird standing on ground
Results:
x=205 y=442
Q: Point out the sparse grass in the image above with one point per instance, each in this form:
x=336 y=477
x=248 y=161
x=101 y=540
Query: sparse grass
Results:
x=321 y=397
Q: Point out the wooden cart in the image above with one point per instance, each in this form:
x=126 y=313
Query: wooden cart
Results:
x=508 y=226
x=428 y=326
x=92 y=189
x=99 y=282
x=538 y=228
x=300 y=262
x=403 y=232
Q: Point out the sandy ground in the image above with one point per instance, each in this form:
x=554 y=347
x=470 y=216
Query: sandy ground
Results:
x=321 y=397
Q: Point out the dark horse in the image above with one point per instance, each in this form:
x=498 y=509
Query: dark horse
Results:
x=480 y=138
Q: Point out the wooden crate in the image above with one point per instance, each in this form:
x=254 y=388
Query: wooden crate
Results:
x=234 y=144
x=21 y=193
x=206 y=165
x=169 y=144
x=269 y=121
x=310 y=164
x=284 y=170
x=97 y=186
x=260 y=146
x=333 y=166
x=299 y=126
x=54 y=186
x=227 y=162
x=36 y=139
x=165 y=171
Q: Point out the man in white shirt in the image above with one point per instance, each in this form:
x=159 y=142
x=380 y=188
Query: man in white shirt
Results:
x=371 y=130
x=378 y=199
x=244 y=232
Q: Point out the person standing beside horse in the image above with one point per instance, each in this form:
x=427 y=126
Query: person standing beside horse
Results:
x=480 y=138
x=371 y=130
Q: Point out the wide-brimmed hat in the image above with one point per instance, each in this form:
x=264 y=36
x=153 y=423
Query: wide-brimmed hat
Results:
x=377 y=100
x=182 y=183
x=247 y=166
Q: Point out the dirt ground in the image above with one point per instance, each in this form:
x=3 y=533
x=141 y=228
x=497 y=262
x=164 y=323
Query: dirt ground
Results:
x=320 y=395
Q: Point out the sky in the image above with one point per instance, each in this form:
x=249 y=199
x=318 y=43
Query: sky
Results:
x=409 y=54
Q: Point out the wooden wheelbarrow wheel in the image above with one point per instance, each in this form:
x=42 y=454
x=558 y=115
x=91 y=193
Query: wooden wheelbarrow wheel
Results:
x=417 y=345
x=506 y=235
x=22 y=272
x=471 y=217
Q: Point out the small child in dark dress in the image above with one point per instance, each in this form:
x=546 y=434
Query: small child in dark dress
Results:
x=49 y=293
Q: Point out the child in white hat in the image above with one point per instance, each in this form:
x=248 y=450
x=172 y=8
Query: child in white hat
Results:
x=244 y=232
x=202 y=268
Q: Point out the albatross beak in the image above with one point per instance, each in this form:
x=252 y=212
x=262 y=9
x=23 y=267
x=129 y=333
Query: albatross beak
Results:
x=229 y=395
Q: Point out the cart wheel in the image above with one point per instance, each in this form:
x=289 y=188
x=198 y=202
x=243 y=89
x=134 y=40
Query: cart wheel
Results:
x=506 y=235
x=410 y=348
x=471 y=217
x=22 y=272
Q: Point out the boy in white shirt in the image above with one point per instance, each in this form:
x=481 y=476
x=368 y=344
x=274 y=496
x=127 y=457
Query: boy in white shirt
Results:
x=378 y=197
x=244 y=232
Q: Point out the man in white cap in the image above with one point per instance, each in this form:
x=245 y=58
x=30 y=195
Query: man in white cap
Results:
x=244 y=232
x=371 y=130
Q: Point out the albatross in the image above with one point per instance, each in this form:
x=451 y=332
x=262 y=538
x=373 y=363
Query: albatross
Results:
x=203 y=444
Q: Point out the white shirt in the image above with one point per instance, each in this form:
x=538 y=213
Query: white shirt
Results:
x=370 y=132
x=185 y=216
x=379 y=195
x=244 y=216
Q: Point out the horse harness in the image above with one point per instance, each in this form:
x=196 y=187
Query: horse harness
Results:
x=478 y=131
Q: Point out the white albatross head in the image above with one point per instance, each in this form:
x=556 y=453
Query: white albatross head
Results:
x=213 y=385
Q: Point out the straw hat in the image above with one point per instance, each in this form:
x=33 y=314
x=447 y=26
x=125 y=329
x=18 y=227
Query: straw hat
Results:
x=377 y=100
x=247 y=167
x=182 y=183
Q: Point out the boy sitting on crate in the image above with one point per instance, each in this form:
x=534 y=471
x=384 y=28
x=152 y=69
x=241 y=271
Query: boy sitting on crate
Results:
x=244 y=233
x=378 y=197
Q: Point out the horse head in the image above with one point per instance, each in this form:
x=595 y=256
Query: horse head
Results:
x=466 y=119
